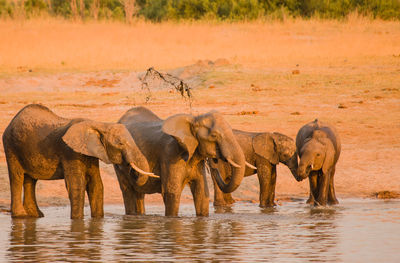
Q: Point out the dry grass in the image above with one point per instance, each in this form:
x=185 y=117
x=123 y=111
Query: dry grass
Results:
x=57 y=45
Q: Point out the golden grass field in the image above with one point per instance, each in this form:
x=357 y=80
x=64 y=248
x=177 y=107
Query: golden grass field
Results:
x=273 y=76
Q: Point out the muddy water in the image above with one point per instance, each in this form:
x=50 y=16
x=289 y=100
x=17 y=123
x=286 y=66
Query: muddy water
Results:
x=358 y=230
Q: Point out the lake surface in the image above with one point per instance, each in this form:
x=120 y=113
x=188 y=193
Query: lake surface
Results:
x=357 y=230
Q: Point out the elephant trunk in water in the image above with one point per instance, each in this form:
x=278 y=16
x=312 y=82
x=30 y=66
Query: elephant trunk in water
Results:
x=233 y=153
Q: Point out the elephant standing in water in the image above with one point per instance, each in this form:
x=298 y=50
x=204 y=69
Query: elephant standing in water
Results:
x=175 y=149
x=263 y=151
x=318 y=146
x=38 y=144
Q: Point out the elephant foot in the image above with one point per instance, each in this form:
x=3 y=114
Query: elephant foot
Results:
x=224 y=202
x=220 y=203
x=310 y=201
x=267 y=204
x=229 y=200
x=34 y=212
x=97 y=216
x=20 y=214
x=320 y=203
x=333 y=202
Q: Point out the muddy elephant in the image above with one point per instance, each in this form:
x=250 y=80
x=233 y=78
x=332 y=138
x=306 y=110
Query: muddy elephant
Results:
x=39 y=145
x=264 y=151
x=318 y=146
x=175 y=149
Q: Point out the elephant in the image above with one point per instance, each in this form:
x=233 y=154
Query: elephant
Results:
x=175 y=149
x=318 y=146
x=40 y=145
x=264 y=151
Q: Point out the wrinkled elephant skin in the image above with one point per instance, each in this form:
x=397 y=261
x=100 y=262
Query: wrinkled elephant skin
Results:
x=39 y=145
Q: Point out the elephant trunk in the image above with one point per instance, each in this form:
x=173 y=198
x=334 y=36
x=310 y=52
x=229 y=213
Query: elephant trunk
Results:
x=293 y=166
x=138 y=163
x=234 y=155
x=304 y=169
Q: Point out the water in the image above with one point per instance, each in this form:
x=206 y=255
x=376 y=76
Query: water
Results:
x=358 y=230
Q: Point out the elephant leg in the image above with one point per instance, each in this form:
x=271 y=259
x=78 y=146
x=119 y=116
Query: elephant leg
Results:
x=30 y=203
x=128 y=192
x=75 y=183
x=171 y=202
x=272 y=185
x=95 y=192
x=332 y=200
x=323 y=187
x=313 y=180
x=16 y=177
x=200 y=194
x=172 y=183
x=228 y=198
x=264 y=173
x=140 y=210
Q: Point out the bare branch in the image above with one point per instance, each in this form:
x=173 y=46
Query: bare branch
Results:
x=166 y=79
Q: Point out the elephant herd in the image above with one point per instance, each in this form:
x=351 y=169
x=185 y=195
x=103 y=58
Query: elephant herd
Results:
x=152 y=155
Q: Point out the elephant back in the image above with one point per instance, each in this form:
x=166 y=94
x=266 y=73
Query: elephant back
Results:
x=305 y=133
x=139 y=115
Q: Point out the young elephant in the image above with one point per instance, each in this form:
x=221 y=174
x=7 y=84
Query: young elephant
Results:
x=175 y=149
x=41 y=145
x=318 y=146
x=262 y=151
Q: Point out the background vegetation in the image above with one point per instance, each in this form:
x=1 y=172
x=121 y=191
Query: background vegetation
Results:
x=231 y=10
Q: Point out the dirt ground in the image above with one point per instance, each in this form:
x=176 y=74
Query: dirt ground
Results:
x=261 y=76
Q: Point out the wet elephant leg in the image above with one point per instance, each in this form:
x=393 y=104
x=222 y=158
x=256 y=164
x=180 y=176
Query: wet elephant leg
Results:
x=332 y=200
x=16 y=176
x=140 y=210
x=228 y=198
x=30 y=203
x=200 y=194
x=323 y=187
x=264 y=173
x=272 y=185
x=313 y=180
x=128 y=192
x=172 y=185
x=75 y=183
x=171 y=202
x=95 y=192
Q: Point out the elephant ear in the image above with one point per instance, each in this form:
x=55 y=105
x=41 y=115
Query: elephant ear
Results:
x=329 y=156
x=264 y=145
x=83 y=138
x=180 y=127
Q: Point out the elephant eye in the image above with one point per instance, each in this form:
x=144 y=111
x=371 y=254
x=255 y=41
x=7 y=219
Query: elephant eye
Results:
x=213 y=135
x=318 y=154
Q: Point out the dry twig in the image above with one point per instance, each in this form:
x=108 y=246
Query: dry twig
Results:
x=165 y=79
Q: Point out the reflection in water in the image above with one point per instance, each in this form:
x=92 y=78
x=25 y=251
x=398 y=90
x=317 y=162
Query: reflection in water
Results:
x=23 y=240
x=293 y=232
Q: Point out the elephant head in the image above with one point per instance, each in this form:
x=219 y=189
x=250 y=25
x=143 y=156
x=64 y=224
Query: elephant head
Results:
x=212 y=137
x=111 y=143
x=276 y=148
x=317 y=153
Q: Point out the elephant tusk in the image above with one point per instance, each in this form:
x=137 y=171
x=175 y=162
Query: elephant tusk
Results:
x=233 y=163
x=312 y=166
x=137 y=169
x=251 y=166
